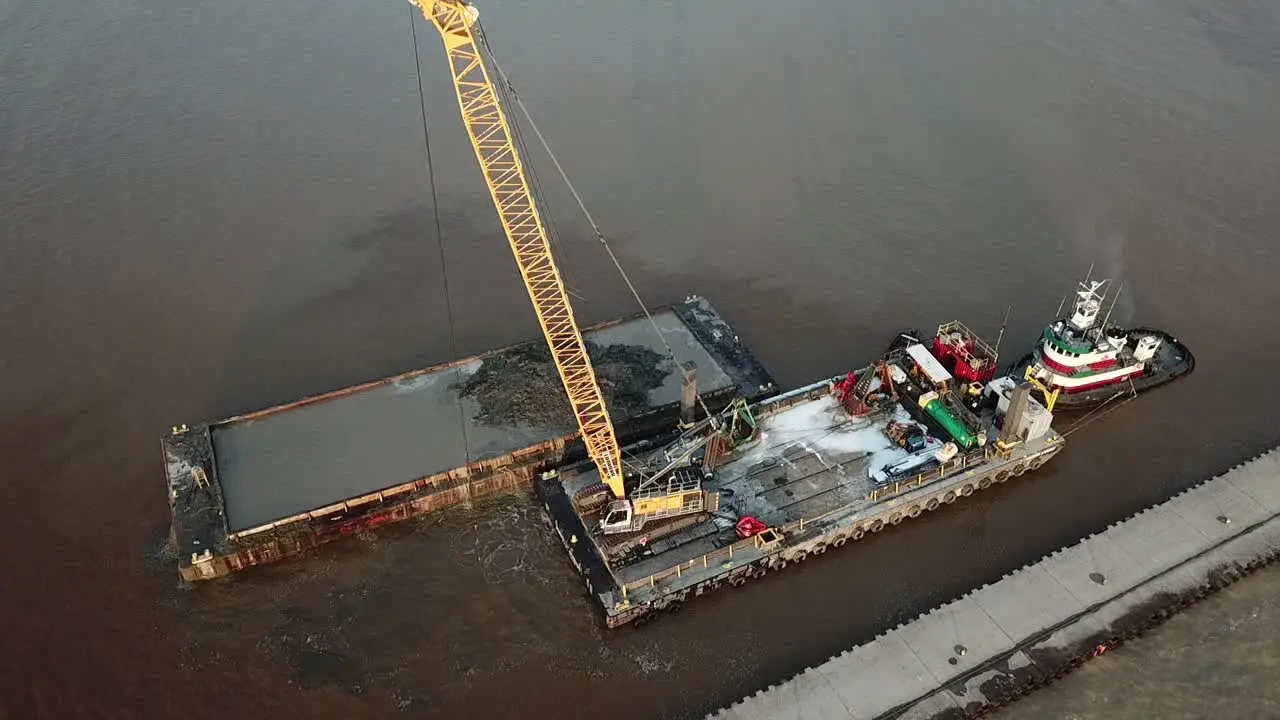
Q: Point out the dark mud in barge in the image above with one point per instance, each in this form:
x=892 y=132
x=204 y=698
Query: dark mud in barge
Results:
x=272 y=484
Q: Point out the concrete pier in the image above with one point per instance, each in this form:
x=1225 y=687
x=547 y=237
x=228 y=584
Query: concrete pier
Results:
x=976 y=652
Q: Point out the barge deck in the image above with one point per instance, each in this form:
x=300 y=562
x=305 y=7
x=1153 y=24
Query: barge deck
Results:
x=805 y=477
x=270 y=484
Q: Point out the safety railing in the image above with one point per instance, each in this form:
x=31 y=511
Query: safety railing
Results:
x=755 y=542
x=796 y=526
x=955 y=326
x=915 y=481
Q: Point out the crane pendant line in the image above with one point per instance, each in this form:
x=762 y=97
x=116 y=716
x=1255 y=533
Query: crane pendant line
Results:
x=491 y=138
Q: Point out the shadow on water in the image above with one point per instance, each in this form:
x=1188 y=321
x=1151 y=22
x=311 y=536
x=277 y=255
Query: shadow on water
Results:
x=373 y=287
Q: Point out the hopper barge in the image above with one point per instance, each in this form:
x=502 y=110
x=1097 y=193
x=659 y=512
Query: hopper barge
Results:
x=271 y=484
x=799 y=473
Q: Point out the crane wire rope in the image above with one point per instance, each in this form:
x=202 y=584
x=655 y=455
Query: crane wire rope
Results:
x=507 y=92
x=506 y=83
x=1089 y=418
x=435 y=211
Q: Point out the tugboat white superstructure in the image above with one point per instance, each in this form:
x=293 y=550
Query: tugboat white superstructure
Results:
x=1081 y=362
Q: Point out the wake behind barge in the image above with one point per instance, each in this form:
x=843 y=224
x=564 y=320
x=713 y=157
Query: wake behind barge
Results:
x=272 y=484
x=822 y=465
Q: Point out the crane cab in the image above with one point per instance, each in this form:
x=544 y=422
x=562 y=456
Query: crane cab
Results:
x=617 y=517
x=679 y=493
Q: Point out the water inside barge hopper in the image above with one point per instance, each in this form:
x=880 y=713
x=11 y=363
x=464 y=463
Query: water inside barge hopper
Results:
x=270 y=484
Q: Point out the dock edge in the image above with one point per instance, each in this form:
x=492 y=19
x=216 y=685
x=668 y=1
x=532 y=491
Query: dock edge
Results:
x=1188 y=547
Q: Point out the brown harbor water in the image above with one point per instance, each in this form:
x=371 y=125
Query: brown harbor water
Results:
x=208 y=209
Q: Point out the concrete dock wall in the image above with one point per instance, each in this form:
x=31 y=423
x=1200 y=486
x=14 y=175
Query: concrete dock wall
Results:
x=974 y=654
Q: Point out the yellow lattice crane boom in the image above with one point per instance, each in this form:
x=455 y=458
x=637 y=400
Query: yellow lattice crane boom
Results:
x=492 y=139
x=665 y=495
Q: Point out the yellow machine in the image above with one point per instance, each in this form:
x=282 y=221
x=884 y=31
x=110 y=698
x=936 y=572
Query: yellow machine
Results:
x=491 y=137
x=1050 y=396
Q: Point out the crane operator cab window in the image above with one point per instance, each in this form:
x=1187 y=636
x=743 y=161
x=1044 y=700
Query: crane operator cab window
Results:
x=619 y=515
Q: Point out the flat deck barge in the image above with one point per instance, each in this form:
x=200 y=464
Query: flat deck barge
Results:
x=271 y=484
x=814 y=477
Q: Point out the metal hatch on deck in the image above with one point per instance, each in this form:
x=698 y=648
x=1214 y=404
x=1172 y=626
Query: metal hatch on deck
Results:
x=929 y=364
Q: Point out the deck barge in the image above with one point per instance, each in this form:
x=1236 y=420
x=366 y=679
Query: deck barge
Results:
x=272 y=484
x=808 y=477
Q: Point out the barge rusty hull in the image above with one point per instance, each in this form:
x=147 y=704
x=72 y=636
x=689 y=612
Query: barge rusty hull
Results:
x=212 y=542
x=813 y=495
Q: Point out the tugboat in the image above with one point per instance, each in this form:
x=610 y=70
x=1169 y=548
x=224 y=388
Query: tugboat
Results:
x=1081 y=364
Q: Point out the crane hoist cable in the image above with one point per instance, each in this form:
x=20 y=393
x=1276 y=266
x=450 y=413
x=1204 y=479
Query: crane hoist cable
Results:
x=505 y=89
x=496 y=149
x=435 y=211
x=504 y=175
x=508 y=87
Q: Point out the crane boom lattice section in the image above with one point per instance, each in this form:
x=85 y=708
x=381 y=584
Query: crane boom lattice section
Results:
x=504 y=174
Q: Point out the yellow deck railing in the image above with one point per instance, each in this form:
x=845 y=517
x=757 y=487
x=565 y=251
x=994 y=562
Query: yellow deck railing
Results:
x=756 y=543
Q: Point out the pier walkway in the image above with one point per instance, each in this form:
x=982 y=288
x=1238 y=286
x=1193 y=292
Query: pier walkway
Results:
x=975 y=653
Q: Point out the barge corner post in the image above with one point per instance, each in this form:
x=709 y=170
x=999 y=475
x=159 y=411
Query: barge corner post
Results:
x=688 y=392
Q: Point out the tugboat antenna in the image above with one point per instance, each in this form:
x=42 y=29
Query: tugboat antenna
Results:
x=1002 y=327
x=1114 y=300
x=1060 y=306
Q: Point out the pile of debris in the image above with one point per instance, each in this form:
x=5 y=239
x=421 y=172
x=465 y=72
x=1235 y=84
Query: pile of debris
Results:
x=521 y=386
